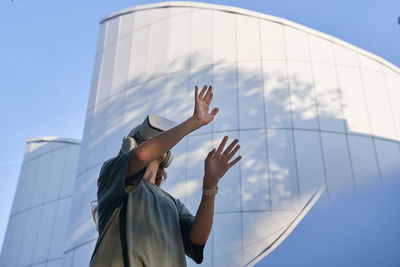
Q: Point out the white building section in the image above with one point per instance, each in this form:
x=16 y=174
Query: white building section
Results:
x=310 y=111
x=316 y=118
x=38 y=222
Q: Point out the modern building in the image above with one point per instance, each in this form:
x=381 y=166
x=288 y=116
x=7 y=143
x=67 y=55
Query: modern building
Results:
x=38 y=222
x=310 y=111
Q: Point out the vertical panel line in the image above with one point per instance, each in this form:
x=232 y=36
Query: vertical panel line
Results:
x=346 y=132
x=318 y=121
x=238 y=118
x=369 y=119
x=291 y=113
x=264 y=114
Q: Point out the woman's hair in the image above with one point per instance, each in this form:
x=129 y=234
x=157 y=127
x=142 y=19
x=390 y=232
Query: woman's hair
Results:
x=161 y=175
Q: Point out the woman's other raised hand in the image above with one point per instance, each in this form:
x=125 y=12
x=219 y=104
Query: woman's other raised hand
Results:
x=218 y=162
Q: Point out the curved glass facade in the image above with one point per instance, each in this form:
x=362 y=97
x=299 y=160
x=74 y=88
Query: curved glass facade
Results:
x=37 y=226
x=309 y=110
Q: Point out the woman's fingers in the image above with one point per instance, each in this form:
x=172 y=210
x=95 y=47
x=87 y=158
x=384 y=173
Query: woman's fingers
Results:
x=222 y=144
x=230 y=147
x=214 y=112
x=208 y=94
x=202 y=92
x=235 y=161
x=230 y=155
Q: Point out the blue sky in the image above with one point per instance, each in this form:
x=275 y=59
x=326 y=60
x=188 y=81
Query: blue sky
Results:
x=47 y=53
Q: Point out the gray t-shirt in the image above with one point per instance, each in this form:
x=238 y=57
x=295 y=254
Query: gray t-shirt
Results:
x=157 y=225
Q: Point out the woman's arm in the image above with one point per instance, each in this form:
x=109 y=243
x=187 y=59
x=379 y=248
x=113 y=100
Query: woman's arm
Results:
x=216 y=165
x=155 y=147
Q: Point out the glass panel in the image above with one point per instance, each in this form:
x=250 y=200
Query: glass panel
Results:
x=258 y=228
x=251 y=107
x=55 y=263
x=139 y=57
x=70 y=171
x=67 y=259
x=179 y=103
x=364 y=162
x=101 y=36
x=378 y=104
x=202 y=38
x=142 y=19
x=21 y=187
x=97 y=144
x=126 y=24
x=136 y=107
x=159 y=34
x=353 y=101
x=106 y=74
x=254 y=171
x=179 y=42
x=390 y=70
x=156 y=96
x=225 y=97
x=321 y=50
x=55 y=174
x=198 y=148
x=330 y=111
x=228 y=199
x=388 y=157
x=120 y=78
x=345 y=56
x=227 y=237
x=393 y=85
x=296 y=44
x=370 y=64
x=159 y=14
x=87 y=229
x=282 y=168
x=42 y=178
x=30 y=233
x=272 y=39
x=45 y=228
x=224 y=37
x=28 y=191
x=309 y=161
x=302 y=95
x=113 y=126
x=6 y=252
x=276 y=94
x=82 y=254
x=95 y=81
x=248 y=38
x=73 y=216
x=60 y=229
x=338 y=165
x=112 y=31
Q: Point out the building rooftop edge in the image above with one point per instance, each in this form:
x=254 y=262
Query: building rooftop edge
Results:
x=53 y=139
x=242 y=11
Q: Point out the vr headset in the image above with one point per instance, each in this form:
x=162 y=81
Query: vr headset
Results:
x=151 y=126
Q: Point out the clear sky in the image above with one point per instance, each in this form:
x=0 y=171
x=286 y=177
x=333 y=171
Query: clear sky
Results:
x=47 y=53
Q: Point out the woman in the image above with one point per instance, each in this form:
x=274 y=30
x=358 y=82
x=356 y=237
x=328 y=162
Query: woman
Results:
x=157 y=229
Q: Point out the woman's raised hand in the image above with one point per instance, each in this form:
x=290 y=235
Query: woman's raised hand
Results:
x=217 y=162
x=202 y=105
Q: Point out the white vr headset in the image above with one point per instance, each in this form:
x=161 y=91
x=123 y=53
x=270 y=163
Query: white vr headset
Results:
x=151 y=126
